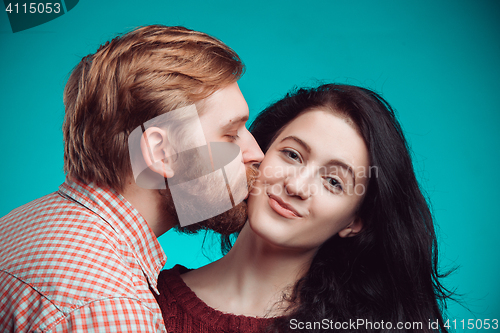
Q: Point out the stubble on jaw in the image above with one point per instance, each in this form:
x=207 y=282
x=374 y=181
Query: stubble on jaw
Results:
x=227 y=223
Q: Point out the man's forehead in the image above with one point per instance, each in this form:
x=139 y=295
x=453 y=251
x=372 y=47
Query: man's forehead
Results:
x=227 y=106
x=235 y=120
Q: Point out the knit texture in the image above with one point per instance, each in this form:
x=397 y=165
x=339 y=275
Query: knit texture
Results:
x=184 y=312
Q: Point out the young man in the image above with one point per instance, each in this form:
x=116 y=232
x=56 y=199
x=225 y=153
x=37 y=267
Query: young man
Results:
x=87 y=257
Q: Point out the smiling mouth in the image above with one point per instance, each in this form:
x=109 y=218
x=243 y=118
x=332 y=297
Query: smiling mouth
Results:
x=282 y=208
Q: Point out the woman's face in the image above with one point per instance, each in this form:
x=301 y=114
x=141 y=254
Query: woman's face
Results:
x=311 y=183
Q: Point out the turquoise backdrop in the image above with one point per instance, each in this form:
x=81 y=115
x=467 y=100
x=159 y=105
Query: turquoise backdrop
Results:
x=436 y=62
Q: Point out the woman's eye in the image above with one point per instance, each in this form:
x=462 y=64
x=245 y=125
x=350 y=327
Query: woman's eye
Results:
x=334 y=183
x=291 y=154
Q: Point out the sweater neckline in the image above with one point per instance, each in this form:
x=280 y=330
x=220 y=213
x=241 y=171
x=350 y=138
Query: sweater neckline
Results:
x=191 y=303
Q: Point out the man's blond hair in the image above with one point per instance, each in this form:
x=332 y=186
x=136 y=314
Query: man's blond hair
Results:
x=129 y=80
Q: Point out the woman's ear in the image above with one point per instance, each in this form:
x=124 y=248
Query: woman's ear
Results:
x=157 y=151
x=352 y=229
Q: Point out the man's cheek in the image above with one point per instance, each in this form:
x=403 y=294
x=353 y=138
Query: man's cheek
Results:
x=209 y=193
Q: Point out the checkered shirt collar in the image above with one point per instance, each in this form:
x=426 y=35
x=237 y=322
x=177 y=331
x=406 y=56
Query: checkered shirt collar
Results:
x=125 y=219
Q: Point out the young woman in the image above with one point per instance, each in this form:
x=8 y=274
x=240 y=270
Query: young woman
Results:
x=339 y=235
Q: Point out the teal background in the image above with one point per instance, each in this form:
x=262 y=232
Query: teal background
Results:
x=436 y=62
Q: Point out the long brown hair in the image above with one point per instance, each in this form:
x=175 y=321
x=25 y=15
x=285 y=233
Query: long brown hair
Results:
x=389 y=271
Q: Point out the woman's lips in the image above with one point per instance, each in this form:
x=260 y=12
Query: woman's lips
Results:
x=282 y=208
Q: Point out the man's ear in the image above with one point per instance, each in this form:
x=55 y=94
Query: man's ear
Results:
x=157 y=151
x=352 y=229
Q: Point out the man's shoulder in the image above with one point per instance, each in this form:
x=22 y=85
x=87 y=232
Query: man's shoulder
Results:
x=25 y=308
x=52 y=205
x=64 y=259
x=59 y=247
x=50 y=218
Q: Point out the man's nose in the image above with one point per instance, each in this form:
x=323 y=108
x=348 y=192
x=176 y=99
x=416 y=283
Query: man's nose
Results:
x=252 y=154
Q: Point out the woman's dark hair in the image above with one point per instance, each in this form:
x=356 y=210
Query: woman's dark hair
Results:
x=389 y=271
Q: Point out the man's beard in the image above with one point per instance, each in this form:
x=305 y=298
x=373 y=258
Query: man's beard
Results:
x=226 y=223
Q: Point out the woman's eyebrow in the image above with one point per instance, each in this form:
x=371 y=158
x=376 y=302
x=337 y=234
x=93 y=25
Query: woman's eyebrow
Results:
x=343 y=165
x=299 y=141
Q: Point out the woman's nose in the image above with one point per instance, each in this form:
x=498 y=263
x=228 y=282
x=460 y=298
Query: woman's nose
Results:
x=299 y=186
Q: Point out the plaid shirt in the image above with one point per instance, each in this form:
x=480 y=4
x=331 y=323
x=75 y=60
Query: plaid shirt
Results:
x=81 y=259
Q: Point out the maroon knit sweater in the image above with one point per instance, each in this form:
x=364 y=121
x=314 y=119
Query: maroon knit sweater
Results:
x=184 y=312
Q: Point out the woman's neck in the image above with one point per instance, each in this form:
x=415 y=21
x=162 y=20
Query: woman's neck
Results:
x=252 y=278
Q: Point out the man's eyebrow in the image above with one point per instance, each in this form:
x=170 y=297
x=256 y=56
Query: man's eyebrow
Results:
x=299 y=141
x=233 y=121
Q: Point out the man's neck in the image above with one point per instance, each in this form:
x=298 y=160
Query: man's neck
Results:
x=148 y=203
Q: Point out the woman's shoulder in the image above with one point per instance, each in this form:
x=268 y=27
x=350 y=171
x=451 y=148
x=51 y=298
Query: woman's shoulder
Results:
x=172 y=288
x=183 y=310
x=171 y=275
